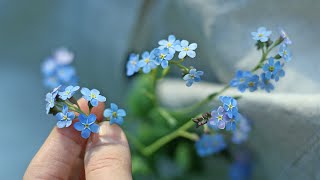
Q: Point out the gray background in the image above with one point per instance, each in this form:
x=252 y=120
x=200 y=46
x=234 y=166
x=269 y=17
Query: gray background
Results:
x=101 y=33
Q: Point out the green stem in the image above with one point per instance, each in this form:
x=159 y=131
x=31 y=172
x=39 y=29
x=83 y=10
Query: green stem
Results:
x=149 y=150
x=178 y=63
x=167 y=116
x=188 y=135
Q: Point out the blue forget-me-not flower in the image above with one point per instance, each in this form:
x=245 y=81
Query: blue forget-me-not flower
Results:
x=261 y=35
x=285 y=52
x=192 y=76
x=185 y=49
x=147 y=62
x=170 y=44
x=253 y=82
x=241 y=133
x=240 y=80
x=163 y=56
x=229 y=105
x=115 y=114
x=231 y=123
x=50 y=98
x=132 y=64
x=68 y=92
x=265 y=83
x=271 y=68
x=93 y=96
x=87 y=125
x=285 y=37
x=64 y=118
x=210 y=144
x=218 y=119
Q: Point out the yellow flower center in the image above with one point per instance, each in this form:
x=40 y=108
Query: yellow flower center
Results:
x=260 y=35
x=147 y=60
x=251 y=84
x=162 y=56
x=93 y=96
x=114 y=114
x=68 y=92
x=86 y=126
x=133 y=62
x=186 y=49
x=169 y=44
x=284 y=52
x=230 y=106
x=65 y=117
x=220 y=117
x=241 y=80
x=271 y=68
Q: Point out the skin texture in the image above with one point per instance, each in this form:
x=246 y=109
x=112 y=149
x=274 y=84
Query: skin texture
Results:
x=66 y=155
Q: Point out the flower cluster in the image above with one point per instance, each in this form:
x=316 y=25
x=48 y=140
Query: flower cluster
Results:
x=65 y=107
x=271 y=70
x=57 y=69
x=226 y=116
x=163 y=55
x=241 y=133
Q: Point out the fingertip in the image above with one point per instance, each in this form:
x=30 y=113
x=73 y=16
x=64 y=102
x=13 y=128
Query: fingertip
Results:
x=98 y=110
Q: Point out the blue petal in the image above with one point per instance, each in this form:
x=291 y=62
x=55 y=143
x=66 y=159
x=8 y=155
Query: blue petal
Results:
x=94 y=128
x=142 y=63
x=86 y=133
x=85 y=91
x=94 y=102
x=164 y=64
x=121 y=112
x=61 y=124
x=107 y=113
x=91 y=119
x=193 y=46
x=71 y=115
x=189 y=82
x=178 y=47
x=76 y=88
x=59 y=116
x=78 y=126
x=171 y=38
x=191 y=54
x=163 y=42
x=145 y=55
x=169 y=56
x=146 y=69
x=186 y=77
x=199 y=73
x=101 y=98
x=95 y=91
x=118 y=120
x=114 y=107
x=68 y=123
x=182 y=54
x=82 y=118
x=184 y=43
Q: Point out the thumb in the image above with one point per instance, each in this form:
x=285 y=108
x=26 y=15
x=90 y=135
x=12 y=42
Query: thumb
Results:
x=107 y=154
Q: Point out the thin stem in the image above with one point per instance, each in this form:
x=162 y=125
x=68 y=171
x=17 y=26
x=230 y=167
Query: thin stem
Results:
x=167 y=116
x=149 y=150
x=188 y=135
x=179 y=65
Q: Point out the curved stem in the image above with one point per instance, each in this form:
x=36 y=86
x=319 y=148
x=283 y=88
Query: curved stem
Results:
x=149 y=150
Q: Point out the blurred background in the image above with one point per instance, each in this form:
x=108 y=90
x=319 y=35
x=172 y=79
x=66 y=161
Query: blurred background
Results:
x=102 y=34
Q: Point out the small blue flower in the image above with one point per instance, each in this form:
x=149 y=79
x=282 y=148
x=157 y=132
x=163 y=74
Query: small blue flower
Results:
x=64 y=118
x=242 y=167
x=285 y=37
x=241 y=133
x=65 y=73
x=261 y=35
x=147 y=62
x=193 y=76
x=253 y=82
x=265 y=83
x=50 y=98
x=68 y=92
x=210 y=144
x=185 y=49
x=218 y=119
x=163 y=56
x=229 y=105
x=132 y=64
x=93 y=96
x=87 y=125
x=48 y=67
x=63 y=56
x=170 y=44
x=279 y=74
x=285 y=52
x=115 y=114
x=51 y=81
x=271 y=68
x=240 y=80
x=231 y=123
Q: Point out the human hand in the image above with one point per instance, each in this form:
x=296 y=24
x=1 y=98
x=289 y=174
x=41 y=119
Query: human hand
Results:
x=65 y=155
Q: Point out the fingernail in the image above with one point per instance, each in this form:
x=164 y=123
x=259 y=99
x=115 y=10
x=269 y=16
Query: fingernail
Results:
x=108 y=134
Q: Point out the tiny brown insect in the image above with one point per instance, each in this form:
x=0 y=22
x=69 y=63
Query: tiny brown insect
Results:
x=202 y=120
